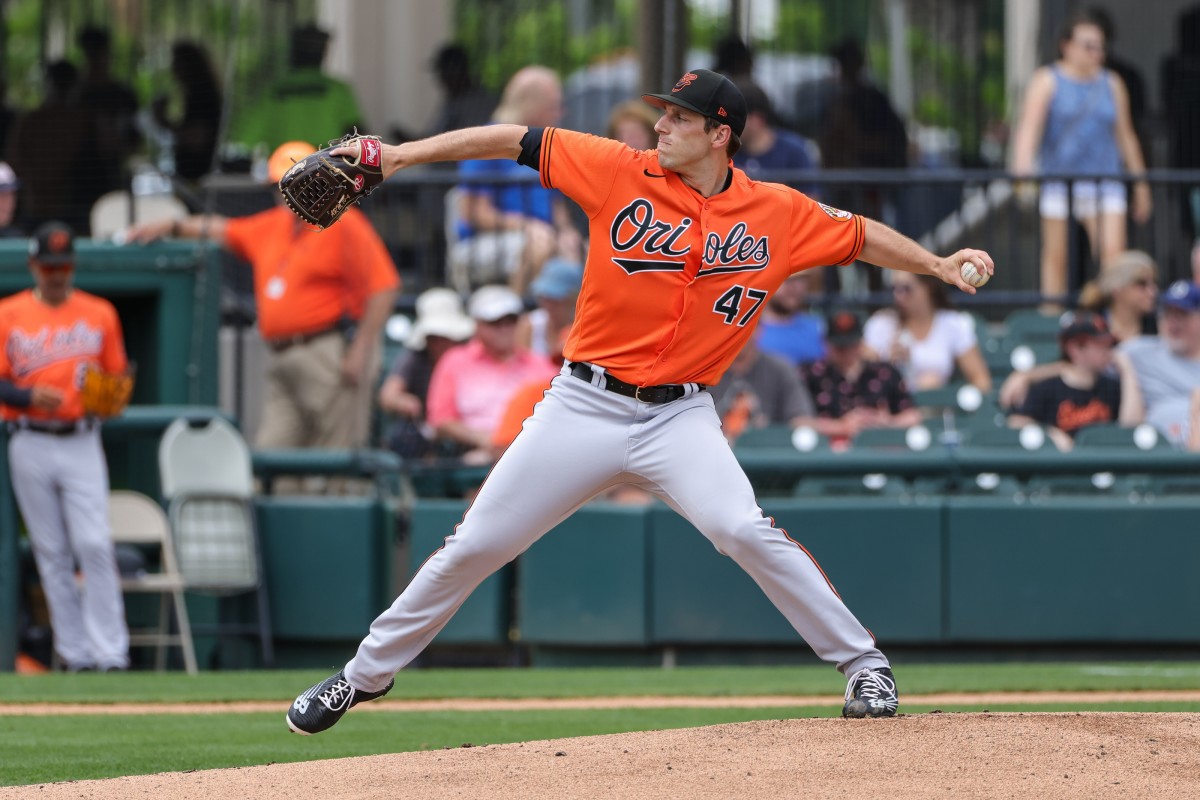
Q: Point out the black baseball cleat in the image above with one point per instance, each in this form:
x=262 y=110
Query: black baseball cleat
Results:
x=323 y=705
x=871 y=693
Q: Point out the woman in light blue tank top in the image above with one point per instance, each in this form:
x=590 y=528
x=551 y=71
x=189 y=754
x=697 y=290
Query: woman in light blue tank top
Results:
x=1076 y=121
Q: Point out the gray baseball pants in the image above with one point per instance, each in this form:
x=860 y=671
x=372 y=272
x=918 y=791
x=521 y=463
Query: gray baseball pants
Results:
x=61 y=485
x=580 y=441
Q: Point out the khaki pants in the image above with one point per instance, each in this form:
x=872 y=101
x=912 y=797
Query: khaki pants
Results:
x=308 y=405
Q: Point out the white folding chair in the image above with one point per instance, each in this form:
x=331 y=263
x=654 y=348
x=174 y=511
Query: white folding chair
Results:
x=111 y=212
x=208 y=481
x=136 y=519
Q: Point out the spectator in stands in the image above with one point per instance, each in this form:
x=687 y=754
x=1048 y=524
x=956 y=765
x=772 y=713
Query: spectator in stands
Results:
x=304 y=105
x=47 y=143
x=923 y=336
x=1196 y=262
x=1130 y=75
x=861 y=129
x=9 y=184
x=465 y=104
x=112 y=107
x=1096 y=384
x=440 y=325
x=1075 y=120
x=758 y=390
x=1181 y=102
x=733 y=58
x=195 y=130
x=555 y=291
x=1168 y=365
x=8 y=115
x=852 y=393
x=544 y=332
x=322 y=299
x=766 y=147
x=787 y=329
x=1193 y=440
x=1125 y=292
x=507 y=231
x=473 y=383
x=632 y=123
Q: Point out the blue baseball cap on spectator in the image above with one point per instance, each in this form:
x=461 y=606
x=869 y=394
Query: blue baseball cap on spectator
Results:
x=1183 y=295
x=557 y=280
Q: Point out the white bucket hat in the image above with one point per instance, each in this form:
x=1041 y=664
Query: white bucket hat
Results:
x=439 y=313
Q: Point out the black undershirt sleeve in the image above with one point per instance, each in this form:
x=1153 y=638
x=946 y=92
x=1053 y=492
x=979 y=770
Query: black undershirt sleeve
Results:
x=531 y=148
x=12 y=396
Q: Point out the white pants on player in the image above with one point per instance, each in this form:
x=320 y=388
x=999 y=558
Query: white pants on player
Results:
x=581 y=440
x=61 y=486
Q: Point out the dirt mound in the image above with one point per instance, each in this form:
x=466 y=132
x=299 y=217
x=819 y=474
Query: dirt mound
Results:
x=1094 y=755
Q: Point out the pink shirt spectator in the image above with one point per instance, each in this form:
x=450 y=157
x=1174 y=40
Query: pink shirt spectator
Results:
x=471 y=387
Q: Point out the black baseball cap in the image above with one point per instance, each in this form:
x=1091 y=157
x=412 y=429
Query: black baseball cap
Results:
x=708 y=93
x=1081 y=324
x=53 y=245
x=845 y=329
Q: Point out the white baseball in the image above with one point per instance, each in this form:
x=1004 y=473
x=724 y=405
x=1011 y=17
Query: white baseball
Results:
x=973 y=274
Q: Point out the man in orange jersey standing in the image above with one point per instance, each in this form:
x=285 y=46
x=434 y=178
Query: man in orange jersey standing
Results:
x=684 y=250
x=49 y=336
x=322 y=299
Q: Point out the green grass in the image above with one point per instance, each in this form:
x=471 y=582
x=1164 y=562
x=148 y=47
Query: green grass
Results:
x=521 y=683
x=55 y=748
x=98 y=747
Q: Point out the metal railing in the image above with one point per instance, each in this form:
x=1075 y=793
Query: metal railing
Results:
x=942 y=208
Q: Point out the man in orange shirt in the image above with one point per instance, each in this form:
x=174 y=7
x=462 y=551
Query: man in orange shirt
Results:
x=322 y=299
x=49 y=336
x=684 y=250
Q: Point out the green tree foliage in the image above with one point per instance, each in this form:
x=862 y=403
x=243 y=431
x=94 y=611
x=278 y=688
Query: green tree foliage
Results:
x=503 y=37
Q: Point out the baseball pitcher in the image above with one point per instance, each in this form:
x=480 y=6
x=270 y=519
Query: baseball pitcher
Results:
x=685 y=250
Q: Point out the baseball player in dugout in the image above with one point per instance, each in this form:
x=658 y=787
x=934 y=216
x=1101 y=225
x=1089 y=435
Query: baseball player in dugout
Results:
x=321 y=299
x=684 y=251
x=53 y=338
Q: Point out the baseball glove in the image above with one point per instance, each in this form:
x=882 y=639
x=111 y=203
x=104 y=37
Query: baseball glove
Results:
x=320 y=187
x=105 y=394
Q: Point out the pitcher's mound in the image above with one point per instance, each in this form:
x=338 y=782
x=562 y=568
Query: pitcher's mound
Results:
x=1093 y=755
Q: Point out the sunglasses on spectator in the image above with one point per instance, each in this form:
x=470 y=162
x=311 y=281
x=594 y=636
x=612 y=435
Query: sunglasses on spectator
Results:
x=1144 y=283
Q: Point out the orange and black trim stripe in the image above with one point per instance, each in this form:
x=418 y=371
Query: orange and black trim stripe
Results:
x=828 y=582
x=544 y=161
x=860 y=238
x=804 y=549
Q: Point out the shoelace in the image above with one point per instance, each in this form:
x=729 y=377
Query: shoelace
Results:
x=870 y=685
x=337 y=695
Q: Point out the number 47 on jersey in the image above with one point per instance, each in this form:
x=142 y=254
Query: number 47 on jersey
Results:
x=729 y=305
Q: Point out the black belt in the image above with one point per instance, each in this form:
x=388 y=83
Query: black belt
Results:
x=285 y=342
x=663 y=393
x=53 y=428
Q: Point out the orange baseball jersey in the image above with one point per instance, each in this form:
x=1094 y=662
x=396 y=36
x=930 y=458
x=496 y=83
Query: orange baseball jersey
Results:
x=675 y=281
x=48 y=345
x=305 y=280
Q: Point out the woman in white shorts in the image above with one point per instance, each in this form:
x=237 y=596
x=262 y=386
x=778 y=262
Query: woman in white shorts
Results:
x=1076 y=122
x=1088 y=199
